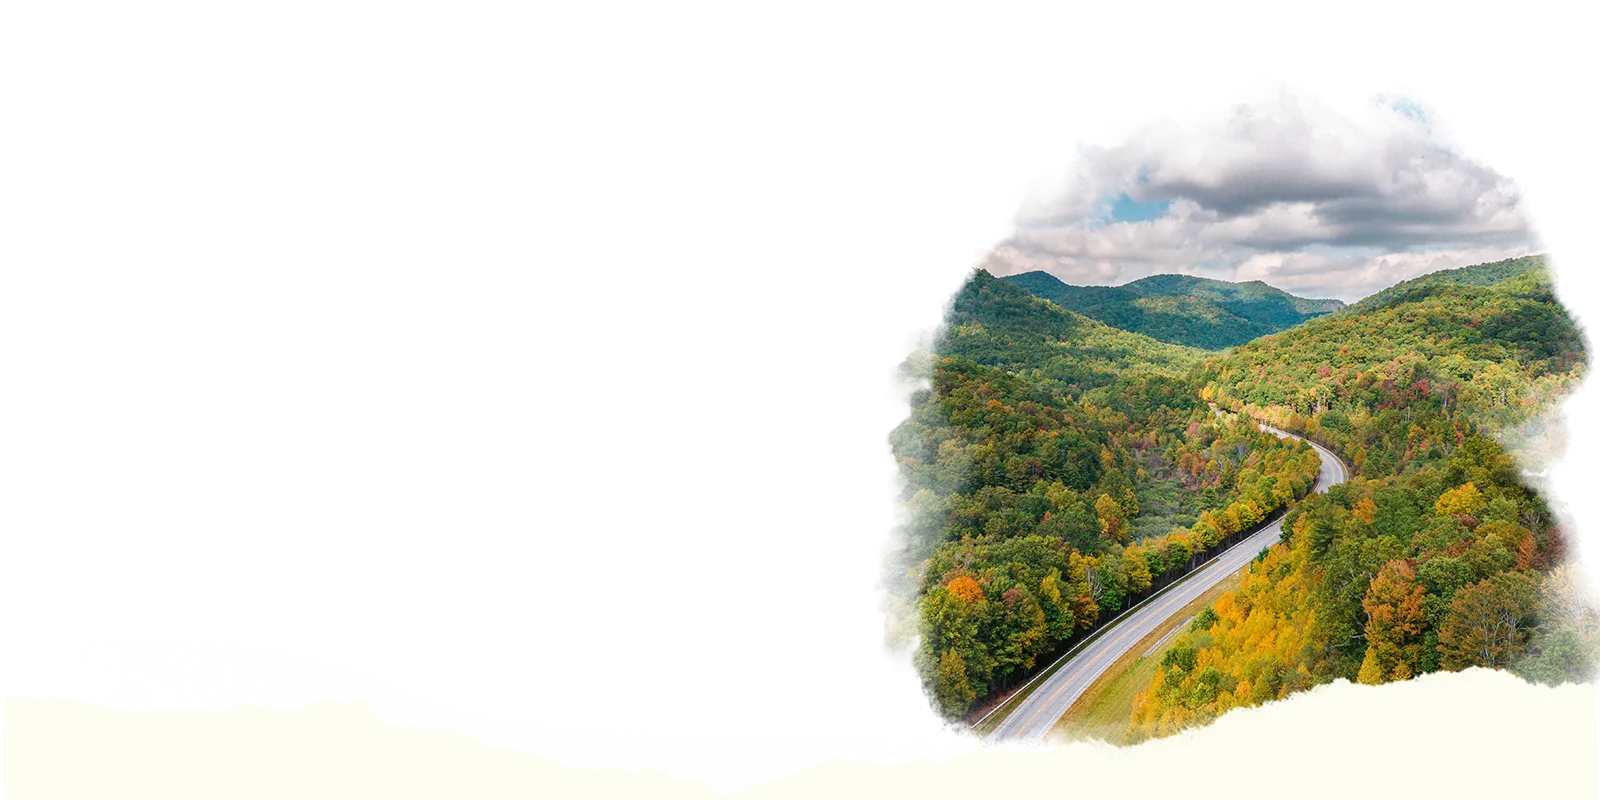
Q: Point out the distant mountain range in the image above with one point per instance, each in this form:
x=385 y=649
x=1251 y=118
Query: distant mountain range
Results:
x=1182 y=309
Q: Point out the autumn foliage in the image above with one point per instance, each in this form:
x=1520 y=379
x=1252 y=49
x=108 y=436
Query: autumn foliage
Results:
x=1058 y=470
x=1437 y=556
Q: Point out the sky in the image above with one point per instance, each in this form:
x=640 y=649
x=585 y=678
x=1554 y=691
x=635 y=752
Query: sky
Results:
x=1316 y=200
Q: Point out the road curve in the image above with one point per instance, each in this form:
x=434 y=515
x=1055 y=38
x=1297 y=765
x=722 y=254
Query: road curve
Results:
x=1032 y=720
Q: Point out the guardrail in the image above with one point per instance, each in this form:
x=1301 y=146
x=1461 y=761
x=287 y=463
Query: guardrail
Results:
x=1106 y=626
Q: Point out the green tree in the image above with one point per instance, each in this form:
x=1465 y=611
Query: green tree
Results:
x=1487 y=623
x=951 y=688
x=1556 y=656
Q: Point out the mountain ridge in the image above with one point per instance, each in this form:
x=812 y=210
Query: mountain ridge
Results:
x=999 y=324
x=1531 y=273
x=1205 y=313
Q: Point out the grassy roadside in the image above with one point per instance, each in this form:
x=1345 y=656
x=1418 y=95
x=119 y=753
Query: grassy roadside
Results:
x=1104 y=709
x=993 y=718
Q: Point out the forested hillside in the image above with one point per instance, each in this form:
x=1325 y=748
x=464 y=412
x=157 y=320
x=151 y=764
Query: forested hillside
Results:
x=1436 y=556
x=1182 y=309
x=1057 y=470
x=1436 y=355
x=996 y=324
x=1530 y=268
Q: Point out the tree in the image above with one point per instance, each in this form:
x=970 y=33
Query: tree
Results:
x=1086 y=588
x=948 y=621
x=1397 y=513
x=1496 y=549
x=1565 y=658
x=1371 y=672
x=966 y=589
x=1464 y=499
x=1573 y=599
x=1486 y=625
x=1060 y=496
x=1443 y=576
x=1516 y=471
x=1057 y=608
x=1364 y=510
x=1394 y=619
x=1113 y=522
x=1022 y=630
x=1562 y=544
x=1075 y=524
x=951 y=687
x=1137 y=567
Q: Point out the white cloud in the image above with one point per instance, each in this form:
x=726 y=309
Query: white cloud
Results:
x=1268 y=191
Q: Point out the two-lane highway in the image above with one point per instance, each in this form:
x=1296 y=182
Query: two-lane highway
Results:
x=1030 y=721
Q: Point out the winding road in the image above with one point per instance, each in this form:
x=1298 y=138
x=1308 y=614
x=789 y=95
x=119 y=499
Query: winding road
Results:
x=1032 y=720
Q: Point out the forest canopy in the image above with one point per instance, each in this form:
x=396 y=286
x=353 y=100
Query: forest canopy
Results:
x=1436 y=556
x=1059 y=468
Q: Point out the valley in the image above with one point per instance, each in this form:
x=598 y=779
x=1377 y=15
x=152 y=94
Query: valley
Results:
x=1061 y=470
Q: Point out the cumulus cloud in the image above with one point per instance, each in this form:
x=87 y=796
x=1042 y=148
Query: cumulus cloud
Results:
x=1288 y=191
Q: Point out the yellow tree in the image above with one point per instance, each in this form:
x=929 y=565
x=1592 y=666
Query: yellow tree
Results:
x=1113 y=523
x=1084 y=579
x=1464 y=499
x=1364 y=510
x=1395 y=618
x=1302 y=526
x=1250 y=514
x=1137 y=567
x=966 y=589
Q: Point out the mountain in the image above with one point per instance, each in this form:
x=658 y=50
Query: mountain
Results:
x=1492 y=336
x=1527 y=275
x=1420 y=387
x=1182 y=309
x=1057 y=471
x=997 y=324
